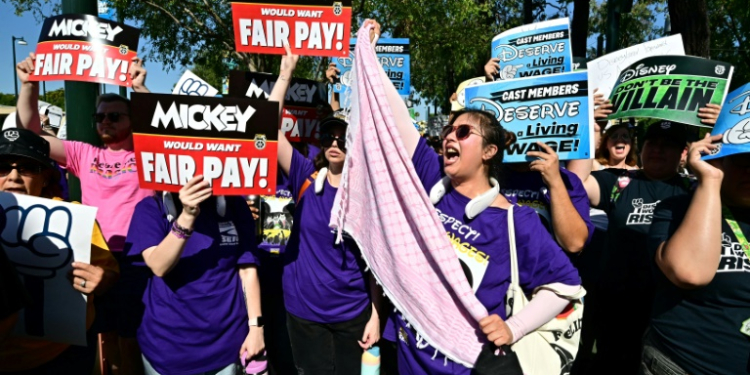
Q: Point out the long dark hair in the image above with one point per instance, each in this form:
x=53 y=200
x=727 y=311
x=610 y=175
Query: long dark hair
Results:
x=493 y=133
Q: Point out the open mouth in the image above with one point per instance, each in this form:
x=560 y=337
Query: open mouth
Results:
x=16 y=190
x=451 y=154
x=620 y=148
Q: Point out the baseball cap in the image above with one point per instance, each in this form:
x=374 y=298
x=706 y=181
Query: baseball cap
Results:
x=671 y=130
x=337 y=118
x=25 y=143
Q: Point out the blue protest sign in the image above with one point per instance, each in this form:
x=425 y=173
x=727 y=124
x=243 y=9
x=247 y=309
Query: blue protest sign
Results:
x=393 y=54
x=733 y=124
x=106 y=10
x=532 y=50
x=551 y=109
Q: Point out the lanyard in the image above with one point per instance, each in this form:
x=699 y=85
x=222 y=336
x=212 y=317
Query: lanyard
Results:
x=736 y=230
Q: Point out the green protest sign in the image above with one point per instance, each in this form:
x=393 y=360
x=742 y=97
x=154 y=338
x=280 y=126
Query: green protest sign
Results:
x=670 y=88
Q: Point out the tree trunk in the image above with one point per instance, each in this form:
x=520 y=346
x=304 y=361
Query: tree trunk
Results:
x=580 y=27
x=690 y=18
x=528 y=11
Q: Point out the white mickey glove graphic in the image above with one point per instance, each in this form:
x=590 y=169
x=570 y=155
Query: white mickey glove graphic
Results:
x=36 y=249
x=509 y=71
x=638 y=202
x=193 y=87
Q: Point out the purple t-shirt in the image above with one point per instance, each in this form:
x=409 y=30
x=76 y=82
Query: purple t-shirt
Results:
x=482 y=247
x=195 y=318
x=528 y=189
x=323 y=282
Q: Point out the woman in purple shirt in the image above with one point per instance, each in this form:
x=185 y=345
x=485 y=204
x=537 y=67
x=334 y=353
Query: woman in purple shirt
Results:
x=202 y=303
x=473 y=145
x=330 y=301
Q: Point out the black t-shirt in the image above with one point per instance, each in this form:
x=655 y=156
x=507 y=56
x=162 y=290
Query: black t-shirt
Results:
x=700 y=328
x=627 y=264
x=13 y=295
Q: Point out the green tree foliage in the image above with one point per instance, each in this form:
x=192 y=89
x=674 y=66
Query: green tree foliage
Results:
x=637 y=26
x=55 y=97
x=730 y=36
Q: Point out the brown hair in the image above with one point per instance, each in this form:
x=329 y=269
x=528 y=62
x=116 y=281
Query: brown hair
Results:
x=109 y=97
x=602 y=153
x=493 y=133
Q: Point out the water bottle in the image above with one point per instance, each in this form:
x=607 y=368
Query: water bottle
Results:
x=257 y=365
x=371 y=361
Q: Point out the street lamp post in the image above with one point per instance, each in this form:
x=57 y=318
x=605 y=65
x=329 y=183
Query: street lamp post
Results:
x=22 y=42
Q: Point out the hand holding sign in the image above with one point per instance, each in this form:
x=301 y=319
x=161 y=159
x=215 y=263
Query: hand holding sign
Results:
x=709 y=114
x=87 y=278
x=138 y=75
x=602 y=108
x=547 y=164
x=25 y=67
x=332 y=74
x=492 y=68
x=705 y=170
x=193 y=194
x=288 y=63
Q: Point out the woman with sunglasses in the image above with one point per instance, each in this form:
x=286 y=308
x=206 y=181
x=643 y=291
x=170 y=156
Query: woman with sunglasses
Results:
x=26 y=168
x=332 y=305
x=463 y=185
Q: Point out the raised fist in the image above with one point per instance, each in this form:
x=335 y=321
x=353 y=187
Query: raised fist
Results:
x=33 y=246
x=509 y=71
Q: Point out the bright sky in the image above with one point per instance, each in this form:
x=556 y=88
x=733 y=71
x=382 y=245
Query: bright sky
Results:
x=159 y=79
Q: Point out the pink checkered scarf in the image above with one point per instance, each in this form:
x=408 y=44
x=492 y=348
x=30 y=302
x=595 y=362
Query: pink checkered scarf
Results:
x=381 y=203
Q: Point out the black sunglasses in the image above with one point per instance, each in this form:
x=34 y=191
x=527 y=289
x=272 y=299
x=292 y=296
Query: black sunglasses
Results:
x=23 y=169
x=111 y=116
x=326 y=140
x=463 y=131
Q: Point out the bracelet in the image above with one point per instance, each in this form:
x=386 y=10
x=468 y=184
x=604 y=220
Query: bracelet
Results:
x=180 y=232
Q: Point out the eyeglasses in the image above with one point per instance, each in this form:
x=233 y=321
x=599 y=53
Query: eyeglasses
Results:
x=463 y=131
x=625 y=137
x=23 y=169
x=326 y=140
x=111 y=116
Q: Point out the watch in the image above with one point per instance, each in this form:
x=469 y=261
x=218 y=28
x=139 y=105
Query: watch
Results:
x=256 y=322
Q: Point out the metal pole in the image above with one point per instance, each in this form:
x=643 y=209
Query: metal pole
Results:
x=613 y=25
x=80 y=99
x=15 y=74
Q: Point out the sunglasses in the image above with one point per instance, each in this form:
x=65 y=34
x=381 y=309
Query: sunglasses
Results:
x=23 y=169
x=463 y=131
x=326 y=140
x=625 y=137
x=111 y=116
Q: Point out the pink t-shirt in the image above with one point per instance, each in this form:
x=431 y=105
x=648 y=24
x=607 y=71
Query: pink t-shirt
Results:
x=109 y=181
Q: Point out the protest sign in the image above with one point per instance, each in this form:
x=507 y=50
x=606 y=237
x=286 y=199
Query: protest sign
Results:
x=81 y=47
x=670 y=88
x=310 y=27
x=460 y=102
x=535 y=49
x=277 y=215
x=603 y=72
x=393 y=54
x=39 y=240
x=733 y=124
x=230 y=141
x=191 y=84
x=553 y=109
x=302 y=105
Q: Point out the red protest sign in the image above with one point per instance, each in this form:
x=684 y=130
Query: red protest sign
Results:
x=311 y=27
x=230 y=141
x=300 y=124
x=81 y=47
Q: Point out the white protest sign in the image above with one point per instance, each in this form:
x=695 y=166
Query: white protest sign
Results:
x=191 y=84
x=603 y=72
x=39 y=239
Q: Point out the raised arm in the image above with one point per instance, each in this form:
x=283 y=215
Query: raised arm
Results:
x=583 y=167
x=288 y=64
x=568 y=226
x=332 y=74
x=27 y=109
x=690 y=258
x=409 y=134
x=162 y=258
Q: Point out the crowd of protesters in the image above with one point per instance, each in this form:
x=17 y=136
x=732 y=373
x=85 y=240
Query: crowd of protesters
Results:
x=177 y=283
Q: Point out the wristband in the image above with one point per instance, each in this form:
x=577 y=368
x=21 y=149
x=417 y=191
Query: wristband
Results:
x=180 y=232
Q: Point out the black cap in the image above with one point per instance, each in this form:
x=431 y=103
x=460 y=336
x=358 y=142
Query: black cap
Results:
x=27 y=144
x=337 y=118
x=671 y=130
